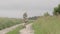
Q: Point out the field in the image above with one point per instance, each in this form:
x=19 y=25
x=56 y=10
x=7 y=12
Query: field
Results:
x=47 y=25
x=16 y=30
x=8 y=22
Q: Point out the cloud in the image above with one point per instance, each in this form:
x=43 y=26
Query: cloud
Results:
x=28 y=4
x=16 y=8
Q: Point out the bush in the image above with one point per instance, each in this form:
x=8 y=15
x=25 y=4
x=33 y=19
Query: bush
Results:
x=46 y=14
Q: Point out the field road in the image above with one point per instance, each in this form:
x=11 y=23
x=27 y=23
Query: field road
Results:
x=27 y=30
x=4 y=31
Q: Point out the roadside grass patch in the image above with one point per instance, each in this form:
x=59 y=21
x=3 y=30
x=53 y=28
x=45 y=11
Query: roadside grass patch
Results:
x=16 y=30
x=47 y=25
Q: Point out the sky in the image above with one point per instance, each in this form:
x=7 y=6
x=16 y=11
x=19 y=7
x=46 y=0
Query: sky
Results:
x=16 y=8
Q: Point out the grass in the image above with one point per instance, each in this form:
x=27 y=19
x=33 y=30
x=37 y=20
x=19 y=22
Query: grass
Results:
x=16 y=30
x=8 y=22
x=47 y=25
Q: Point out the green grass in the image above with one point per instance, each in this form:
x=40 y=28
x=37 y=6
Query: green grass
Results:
x=8 y=22
x=16 y=30
x=47 y=25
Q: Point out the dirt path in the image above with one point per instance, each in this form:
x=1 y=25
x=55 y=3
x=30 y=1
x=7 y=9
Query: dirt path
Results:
x=4 y=31
x=27 y=30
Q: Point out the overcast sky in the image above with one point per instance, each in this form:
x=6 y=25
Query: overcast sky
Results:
x=16 y=8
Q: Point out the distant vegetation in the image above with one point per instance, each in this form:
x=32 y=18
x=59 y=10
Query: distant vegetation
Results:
x=8 y=22
x=33 y=18
x=57 y=10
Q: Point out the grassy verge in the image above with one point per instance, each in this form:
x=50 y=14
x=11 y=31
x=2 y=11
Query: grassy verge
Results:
x=16 y=31
x=47 y=25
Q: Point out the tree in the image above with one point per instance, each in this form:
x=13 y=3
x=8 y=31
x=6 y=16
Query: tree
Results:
x=57 y=10
x=25 y=15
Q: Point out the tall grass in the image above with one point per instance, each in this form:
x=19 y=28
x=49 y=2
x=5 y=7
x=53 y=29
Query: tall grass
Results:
x=47 y=25
x=8 y=22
